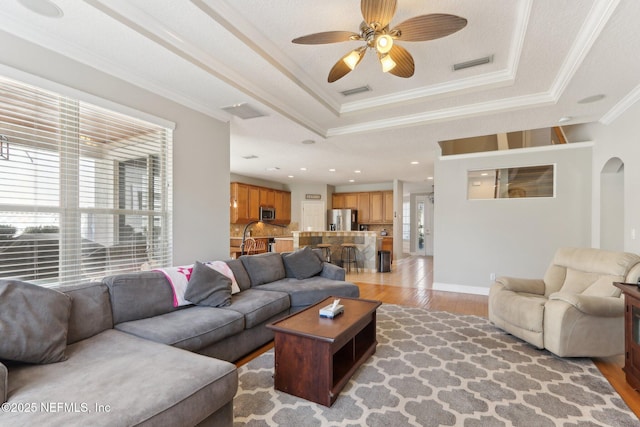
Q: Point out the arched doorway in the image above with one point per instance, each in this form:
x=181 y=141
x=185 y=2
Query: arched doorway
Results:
x=612 y=205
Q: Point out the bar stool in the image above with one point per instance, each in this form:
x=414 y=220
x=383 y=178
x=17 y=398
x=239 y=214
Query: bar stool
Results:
x=350 y=258
x=326 y=251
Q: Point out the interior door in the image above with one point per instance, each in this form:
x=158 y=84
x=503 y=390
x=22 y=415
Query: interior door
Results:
x=314 y=216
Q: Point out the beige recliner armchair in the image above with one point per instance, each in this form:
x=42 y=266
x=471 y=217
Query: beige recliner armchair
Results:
x=574 y=311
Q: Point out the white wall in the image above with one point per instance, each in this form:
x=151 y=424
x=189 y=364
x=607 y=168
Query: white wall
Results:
x=621 y=139
x=508 y=237
x=200 y=152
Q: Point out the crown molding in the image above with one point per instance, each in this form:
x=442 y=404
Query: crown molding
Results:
x=470 y=110
x=145 y=25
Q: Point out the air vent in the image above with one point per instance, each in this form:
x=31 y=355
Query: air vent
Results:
x=250 y=156
x=244 y=111
x=473 y=63
x=356 y=90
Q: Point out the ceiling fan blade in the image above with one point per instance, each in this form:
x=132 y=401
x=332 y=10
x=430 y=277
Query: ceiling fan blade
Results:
x=378 y=11
x=404 y=62
x=429 y=27
x=327 y=37
x=341 y=69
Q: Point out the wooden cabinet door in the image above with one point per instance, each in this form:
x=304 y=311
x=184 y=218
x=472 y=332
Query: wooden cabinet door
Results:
x=239 y=204
x=267 y=197
x=337 y=201
x=351 y=201
x=283 y=207
x=388 y=207
x=363 y=208
x=254 y=203
x=376 y=207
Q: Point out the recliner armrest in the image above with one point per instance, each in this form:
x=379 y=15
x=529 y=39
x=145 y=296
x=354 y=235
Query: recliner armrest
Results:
x=515 y=284
x=332 y=271
x=4 y=383
x=592 y=305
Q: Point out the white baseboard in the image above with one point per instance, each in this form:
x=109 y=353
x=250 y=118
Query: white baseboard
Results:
x=463 y=289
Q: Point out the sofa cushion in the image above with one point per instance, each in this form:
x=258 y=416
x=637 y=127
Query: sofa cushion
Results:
x=208 y=287
x=90 y=310
x=309 y=291
x=142 y=382
x=263 y=268
x=33 y=322
x=240 y=273
x=223 y=267
x=191 y=328
x=257 y=305
x=139 y=295
x=303 y=263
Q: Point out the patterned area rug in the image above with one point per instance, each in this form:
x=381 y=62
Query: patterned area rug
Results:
x=441 y=369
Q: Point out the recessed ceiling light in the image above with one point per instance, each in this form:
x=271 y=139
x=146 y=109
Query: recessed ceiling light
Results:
x=565 y=119
x=289 y=176
x=415 y=163
x=332 y=170
x=303 y=169
x=308 y=142
x=484 y=174
x=43 y=7
x=430 y=178
x=352 y=180
x=590 y=99
x=357 y=171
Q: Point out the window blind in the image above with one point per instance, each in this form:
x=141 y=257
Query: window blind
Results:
x=86 y=192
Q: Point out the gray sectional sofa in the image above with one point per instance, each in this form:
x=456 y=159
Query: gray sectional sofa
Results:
x=118 y=353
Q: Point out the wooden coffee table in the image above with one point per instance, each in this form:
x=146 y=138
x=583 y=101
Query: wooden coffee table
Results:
x=316 y=356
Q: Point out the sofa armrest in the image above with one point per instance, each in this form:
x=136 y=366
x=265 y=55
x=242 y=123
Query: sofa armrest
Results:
x=592 y=305
x=531 y=286
x=332 y=271
x=4 y=383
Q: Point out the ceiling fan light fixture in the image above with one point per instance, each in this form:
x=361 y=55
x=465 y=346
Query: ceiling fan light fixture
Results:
x=353 y=58
x=384 y=43
x=388 y=63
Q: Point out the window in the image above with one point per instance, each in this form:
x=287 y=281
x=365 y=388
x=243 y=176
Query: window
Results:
x=85 y=191
x=510 y=183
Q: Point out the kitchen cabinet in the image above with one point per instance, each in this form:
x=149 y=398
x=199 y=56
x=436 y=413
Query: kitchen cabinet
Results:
x=375 y=207
x=246 y=201
x=337 y=201
x=244 y=204
x=387 y=204
x=363 y=208
x=376 y=211
x=283 y=207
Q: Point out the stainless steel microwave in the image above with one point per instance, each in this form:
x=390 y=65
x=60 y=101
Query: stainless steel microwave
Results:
x=267 y=214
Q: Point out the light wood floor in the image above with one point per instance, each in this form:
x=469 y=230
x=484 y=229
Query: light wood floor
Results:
x=410 y=283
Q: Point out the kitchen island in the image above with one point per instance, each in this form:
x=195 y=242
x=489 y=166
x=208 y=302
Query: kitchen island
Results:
x=368 y=244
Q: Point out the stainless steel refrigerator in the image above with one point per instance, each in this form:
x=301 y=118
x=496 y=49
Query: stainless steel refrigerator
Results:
x=343 y=219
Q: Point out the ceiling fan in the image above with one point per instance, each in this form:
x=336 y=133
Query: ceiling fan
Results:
x=376 y=34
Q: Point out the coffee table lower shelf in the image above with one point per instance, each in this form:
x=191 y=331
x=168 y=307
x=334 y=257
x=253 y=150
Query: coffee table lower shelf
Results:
x=316 y=367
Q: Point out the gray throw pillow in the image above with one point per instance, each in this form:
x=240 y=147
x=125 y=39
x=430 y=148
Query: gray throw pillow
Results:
x=208 y=287
x=33 y=323
x=303 y=263
x=264 y=268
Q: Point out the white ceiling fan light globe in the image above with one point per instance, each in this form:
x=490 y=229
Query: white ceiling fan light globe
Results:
x=387 y=62
x=384 y=43
x=352 y=59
